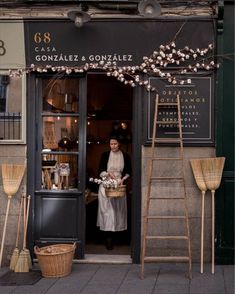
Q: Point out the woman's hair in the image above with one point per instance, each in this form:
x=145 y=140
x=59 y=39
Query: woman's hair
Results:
x=113 y=137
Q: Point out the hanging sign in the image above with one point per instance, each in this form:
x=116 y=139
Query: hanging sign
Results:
x=197 y=111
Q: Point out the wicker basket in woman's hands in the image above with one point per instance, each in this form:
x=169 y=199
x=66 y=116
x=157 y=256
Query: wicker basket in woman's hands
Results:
x=119 y=191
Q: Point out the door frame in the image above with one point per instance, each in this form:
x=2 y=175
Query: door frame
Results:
x=137 y=123
x=33 y=92
x=224 y=242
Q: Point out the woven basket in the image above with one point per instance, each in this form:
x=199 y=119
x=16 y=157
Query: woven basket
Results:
x=120 y=191
x=55 y=261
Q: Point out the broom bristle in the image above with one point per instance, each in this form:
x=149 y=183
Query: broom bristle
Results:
x=198 y=175
x=22 y=265
x=12 y=175
x=14 y=258
x=212 y=169
x=28 y=257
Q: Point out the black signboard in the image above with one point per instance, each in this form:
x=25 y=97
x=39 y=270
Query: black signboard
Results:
x=59 y=42
x=197 y=110
x=127 y=42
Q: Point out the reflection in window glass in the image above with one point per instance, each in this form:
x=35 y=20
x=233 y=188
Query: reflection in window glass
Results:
x=60 y=96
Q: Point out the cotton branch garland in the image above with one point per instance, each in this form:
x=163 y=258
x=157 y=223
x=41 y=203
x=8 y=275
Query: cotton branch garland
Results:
x=157 y=64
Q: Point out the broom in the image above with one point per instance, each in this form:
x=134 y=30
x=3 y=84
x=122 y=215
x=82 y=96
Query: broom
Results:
x=24 y=262
x=12 y=176
x=197 y=172
x=212 y=169
x=16 y=251
x=26 y=226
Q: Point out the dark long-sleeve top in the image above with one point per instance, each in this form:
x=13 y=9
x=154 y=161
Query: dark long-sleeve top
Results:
x=104 y=162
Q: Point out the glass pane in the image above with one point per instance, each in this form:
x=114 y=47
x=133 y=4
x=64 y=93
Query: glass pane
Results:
x=10 y=108
x=60 y=133
x=59 y=172
x=60 y=95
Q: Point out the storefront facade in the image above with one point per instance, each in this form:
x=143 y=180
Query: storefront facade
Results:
x=78 y=86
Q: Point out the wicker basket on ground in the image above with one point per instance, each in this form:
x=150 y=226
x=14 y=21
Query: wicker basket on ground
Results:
x=119 y=191
x=55 y=261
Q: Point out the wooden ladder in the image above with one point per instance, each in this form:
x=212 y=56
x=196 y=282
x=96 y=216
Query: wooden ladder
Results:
x=177 y=140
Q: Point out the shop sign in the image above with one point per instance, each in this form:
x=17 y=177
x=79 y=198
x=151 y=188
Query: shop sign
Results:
x=197 y=111
x=126 y=42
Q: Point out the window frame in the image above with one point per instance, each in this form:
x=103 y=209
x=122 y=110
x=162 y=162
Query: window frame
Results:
x=22 y=140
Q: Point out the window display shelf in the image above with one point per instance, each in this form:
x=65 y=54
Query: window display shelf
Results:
x=60 y=152
x=60 y=114
x=57 y=192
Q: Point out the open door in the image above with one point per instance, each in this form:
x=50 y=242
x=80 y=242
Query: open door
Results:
x=56 y=165
x=109 y=111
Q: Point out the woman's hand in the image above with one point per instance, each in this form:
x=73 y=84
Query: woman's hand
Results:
x=122 y=181
x=111 y=175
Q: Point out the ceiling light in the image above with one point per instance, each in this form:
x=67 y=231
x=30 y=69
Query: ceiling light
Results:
x=79 y=17
x=149 y=8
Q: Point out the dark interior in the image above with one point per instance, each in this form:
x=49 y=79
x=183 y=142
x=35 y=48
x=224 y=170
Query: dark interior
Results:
x=109 y=112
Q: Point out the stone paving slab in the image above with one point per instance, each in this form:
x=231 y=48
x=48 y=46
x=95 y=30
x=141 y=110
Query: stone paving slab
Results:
x=171 y=289
x=132 y=284
x=125 y=279
x=229 y=278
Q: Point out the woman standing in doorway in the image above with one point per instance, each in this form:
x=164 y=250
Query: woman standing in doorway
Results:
x=112 y=212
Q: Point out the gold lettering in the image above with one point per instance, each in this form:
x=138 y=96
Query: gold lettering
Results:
x=42 y=37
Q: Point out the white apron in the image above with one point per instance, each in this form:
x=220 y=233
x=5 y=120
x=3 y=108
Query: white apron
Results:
x=112 y=212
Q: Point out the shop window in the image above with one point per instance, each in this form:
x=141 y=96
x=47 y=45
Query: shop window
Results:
x=4 y=81
x=12 y=118
x=60 y=131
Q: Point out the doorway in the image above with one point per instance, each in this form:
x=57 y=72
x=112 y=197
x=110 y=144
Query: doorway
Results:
x=68 y=213
x=109 y=112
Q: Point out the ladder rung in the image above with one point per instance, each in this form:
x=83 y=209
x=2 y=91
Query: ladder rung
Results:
x=166 y=258
x=167 y=158
x=168 y=104
x=166 y=140
x=167 y=237
x=167 y=122
x=167 y=198
x=167 y=178
x=166 y=217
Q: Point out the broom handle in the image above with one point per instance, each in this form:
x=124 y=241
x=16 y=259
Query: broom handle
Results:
x=4 y=229
x=19 y=222
x=213 y=232
x=25 y=198
x=202 y=230
x=26 y=221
